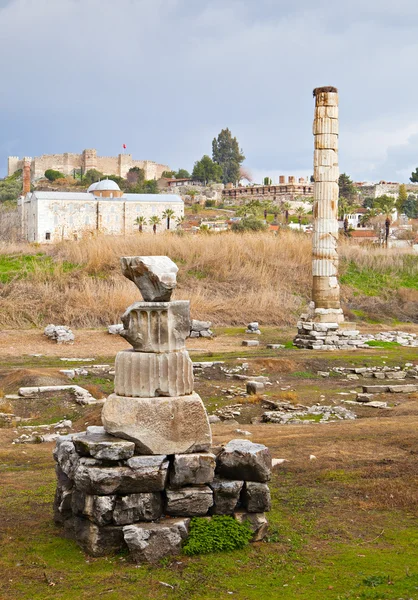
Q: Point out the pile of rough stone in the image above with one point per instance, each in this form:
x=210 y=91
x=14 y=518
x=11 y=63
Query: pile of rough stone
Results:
x=59 y=333
x=327 y=336
x=326 y=414
x=136 y=482
x=401 y=337
x=409 y=372
x=253 y=328
x=200 y=329
x=109 y=497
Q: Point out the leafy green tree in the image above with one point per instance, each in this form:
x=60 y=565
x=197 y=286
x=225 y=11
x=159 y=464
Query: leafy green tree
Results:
x=135 y=176
x=414 y=176
x=410 y=207
x=150 y=186
x=368 y=216
x=347 y=188
x=11 y=187
x=168 y=214
x=250 y=223
x=154 y=221
x=207 y=170
x=168 y=174
x=385 y=205
x=52 y=175
x=266 y=181
x=402 y=197
x=252 y=207
x=182 y=174
x=92 y=176
x=227 y=153
x=140 y=221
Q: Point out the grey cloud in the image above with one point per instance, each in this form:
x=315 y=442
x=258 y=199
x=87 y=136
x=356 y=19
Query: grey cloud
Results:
x=164 y=76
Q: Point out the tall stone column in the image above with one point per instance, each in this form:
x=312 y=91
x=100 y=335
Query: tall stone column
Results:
x=325 y=288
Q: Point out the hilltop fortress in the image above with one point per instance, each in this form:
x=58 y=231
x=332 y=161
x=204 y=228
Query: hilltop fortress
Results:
x=68 y=163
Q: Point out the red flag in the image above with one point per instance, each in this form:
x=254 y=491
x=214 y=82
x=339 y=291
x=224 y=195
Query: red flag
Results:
x=124 y=146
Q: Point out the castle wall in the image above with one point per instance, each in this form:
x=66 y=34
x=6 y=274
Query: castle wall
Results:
x=88 y=159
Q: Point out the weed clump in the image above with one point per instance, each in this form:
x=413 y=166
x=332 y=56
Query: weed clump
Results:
x=219 y=534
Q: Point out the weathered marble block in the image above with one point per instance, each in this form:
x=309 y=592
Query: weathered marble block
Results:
x=98 y=509
x=256 y=497
x=189 y=501
x=226 y=494
x=142 y=474
x=192 y=469
x=157 y=326
x=138 y=507
x=175 y=425
x=147 y=375
x=103 y=446
x=149 y=542
x=242 y=459
x=154 y=276
x=98 y=541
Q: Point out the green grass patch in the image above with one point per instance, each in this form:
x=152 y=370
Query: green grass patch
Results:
x=376 y=280
x=22 y=265
x=382 y=344
x=303 y=375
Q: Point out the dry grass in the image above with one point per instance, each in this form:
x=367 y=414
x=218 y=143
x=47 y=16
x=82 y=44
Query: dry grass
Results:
x=230 y=279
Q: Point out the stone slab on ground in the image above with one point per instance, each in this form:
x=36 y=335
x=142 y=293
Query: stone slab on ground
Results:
x=175 y=425
x=250 y=343
x=149 y=542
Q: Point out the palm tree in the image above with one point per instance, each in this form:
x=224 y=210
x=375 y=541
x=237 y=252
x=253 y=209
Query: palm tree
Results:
x=284 y=208
x=154 y=221
x=179 y=222
x=300 y=211
x=140 y=221
x=167 y=214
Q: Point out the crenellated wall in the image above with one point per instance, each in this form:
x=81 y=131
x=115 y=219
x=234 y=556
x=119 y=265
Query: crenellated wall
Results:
x=88 y=159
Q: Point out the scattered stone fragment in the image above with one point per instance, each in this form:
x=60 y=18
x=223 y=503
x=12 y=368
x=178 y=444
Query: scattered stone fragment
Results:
x=275 y=346
x=403 y=389
x=364 y=397
x=253 y=328
x=149 y=542
x=250 y=343
x=115 y=329
x=59 y=333
x=254 y=387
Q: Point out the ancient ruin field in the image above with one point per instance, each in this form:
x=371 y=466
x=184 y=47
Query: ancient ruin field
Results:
x=343 y=524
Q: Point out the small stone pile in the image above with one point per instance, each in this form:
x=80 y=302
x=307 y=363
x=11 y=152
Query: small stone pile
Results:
x=327 y=336
x=200 y=329
x=253 y=328
x=109 y=497
x=401 y=337
x=59 y=333
x=316 y=413
x=137 y=481
x=408 y=372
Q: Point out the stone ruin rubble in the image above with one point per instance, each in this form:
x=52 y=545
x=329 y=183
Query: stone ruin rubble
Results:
x=137 y=481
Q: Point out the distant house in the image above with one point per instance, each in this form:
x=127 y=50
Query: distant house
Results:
x=53 y=216
x=364 y=236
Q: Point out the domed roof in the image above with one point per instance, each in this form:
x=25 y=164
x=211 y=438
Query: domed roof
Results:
x=92 y=187
x=107 y=185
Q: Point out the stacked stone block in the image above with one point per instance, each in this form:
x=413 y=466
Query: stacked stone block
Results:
x=327 y=336
x=138 y=480
x=109 y=497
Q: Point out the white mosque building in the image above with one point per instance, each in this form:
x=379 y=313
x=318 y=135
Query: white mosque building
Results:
x=48 y=217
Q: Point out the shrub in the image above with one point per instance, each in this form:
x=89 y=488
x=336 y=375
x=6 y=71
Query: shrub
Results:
x=52 y=175
x=219 y=534
x=248 y=224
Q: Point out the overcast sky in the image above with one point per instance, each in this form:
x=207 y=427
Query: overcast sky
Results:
x=165 y=76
